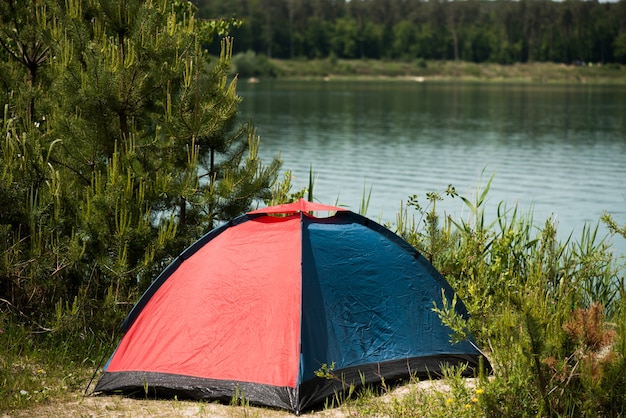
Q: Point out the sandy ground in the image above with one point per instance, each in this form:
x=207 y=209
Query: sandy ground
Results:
x=118 y=406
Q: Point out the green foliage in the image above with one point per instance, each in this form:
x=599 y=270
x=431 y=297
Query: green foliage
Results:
x=449 y=316
x=620 y=47
x=349 y=390
x=613 y=227
x=249 y=64
x=506 y=32
x=548 y=314
x=326 y=371
x=239 y=398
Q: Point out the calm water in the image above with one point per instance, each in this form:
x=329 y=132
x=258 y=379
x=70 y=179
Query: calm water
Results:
x=560 y=150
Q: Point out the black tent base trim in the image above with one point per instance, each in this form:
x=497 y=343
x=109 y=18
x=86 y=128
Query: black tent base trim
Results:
x=140 y=384
x=305 y=396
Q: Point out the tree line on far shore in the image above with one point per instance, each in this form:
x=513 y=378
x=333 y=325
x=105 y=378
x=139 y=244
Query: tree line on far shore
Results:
x=504 y=31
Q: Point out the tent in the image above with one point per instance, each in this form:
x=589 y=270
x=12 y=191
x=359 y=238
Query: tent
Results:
x=259 y=306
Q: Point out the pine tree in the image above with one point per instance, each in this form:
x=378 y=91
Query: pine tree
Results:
x=120 y=145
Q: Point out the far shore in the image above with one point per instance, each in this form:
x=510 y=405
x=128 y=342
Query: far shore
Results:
x=438 y=71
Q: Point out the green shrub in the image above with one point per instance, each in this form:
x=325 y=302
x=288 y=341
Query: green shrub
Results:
x=549 y=314
x=249 y=64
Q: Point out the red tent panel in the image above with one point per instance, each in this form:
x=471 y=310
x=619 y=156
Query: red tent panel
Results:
x=245 y=325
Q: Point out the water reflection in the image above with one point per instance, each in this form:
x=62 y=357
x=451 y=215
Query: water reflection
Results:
x=558 y=149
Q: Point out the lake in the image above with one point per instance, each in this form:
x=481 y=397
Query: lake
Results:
x=558 y=150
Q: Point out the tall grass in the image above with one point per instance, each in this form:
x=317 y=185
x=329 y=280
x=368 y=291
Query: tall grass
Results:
x=549 y=314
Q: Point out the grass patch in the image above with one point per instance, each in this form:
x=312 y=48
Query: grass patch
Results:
x=32 y=373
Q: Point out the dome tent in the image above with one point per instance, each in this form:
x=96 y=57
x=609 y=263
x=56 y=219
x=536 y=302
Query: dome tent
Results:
x=259 y=305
